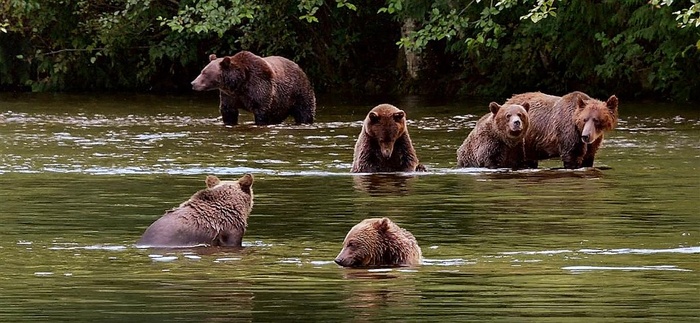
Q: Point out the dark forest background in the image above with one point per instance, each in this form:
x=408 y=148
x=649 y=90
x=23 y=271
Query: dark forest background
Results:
x=632 y=48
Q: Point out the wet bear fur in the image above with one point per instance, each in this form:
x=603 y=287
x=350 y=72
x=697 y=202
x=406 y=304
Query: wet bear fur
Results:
x=570 y=127
x=497 y=139
x=384 y=144
x=216 y=216
x=272 y=88
x=379 y=242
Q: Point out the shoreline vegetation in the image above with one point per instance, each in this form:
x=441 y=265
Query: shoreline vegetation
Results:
x=634 y=49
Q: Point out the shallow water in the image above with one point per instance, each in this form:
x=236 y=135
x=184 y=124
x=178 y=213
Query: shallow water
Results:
x=81 y=177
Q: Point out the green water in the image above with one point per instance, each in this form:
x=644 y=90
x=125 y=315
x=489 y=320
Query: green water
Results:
x=81 y=177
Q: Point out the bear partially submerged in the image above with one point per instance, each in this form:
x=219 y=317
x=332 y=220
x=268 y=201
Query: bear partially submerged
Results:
x=272 y=88
x=570 y=127
x=497 y=139
x=216 y=216
x=378 y=242
x=384 y=144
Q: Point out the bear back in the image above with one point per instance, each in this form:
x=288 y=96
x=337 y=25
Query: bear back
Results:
x=216 y=215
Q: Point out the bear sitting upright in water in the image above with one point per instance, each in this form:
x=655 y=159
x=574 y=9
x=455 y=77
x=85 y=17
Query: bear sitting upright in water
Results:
x=379 y=243
x=216 y=216
x=497 y=139
x=384 y=144
x=570 y=127
x=272 y=88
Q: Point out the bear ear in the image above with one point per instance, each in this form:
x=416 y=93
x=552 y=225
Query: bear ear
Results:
x=212 y=181
x=612 y=103
x=398 y=116
x=494 y=107
x=526 y=106
x=373 y=117
x=212 y=57
x=246 y=182
x=382 y=225
x=580 y=104
x=226 y=62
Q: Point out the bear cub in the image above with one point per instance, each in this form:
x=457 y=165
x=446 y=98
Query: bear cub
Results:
x=378 y=242
x=272 y=88
x=384 y=144
x=497 y=139
x=215 y=216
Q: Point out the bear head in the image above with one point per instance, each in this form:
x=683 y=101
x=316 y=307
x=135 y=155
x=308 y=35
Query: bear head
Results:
x=239 y=192
x=228 y=73
x=385 y=124
x=378 y=243
x=512 y=120
x=594 y=117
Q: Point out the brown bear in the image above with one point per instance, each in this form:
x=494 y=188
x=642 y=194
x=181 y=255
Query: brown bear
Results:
x=272 y=88
x=216 y=216
x=497 y=139
x=384 y=144
x=379 y=243
x=571 y=126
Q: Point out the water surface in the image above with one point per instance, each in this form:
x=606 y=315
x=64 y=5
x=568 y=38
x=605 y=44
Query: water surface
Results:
x=81 y=177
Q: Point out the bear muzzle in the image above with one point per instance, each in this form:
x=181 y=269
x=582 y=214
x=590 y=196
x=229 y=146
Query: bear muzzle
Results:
x=588 y=135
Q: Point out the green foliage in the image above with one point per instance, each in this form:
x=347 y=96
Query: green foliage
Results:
x=494 y=48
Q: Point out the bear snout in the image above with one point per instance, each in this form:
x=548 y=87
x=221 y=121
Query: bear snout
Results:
x=585 y=139
x=342 y=262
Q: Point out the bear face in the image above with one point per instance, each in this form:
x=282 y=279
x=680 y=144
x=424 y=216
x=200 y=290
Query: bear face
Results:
x=378 y=243
x=385 y=124
x=594 y=117
x=512 y=120
x=210 y=77
x=228 y=73
x=384 y=144
x=216 y=216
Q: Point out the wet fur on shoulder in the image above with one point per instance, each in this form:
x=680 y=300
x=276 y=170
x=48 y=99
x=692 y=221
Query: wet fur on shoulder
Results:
x=384 y=144
x=379 y=243
x=216 y=215
x=571 y=127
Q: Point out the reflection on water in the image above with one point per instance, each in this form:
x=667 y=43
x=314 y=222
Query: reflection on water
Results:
x=82 y=177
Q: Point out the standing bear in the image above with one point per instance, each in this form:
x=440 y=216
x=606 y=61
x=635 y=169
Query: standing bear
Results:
x=571 y=127
x=379 y=243
x=272 y=88
x=497 y=139
x=384 y=144
x=216 y=216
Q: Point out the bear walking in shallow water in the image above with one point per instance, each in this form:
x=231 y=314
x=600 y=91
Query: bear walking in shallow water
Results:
x=571 y=127
x=497 y=139
x=272 y=88
x=384 y=144
x=379 y=243
x=216 y=216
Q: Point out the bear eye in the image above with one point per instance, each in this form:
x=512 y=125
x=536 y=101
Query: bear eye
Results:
x=508 y=116
x=595 y=120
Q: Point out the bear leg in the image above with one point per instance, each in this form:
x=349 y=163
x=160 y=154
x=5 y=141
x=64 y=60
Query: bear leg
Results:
x=228 y=106
x=590 y=153
x=301 y=115
x=304 y=109
x=229 y=116
x=572 y=160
